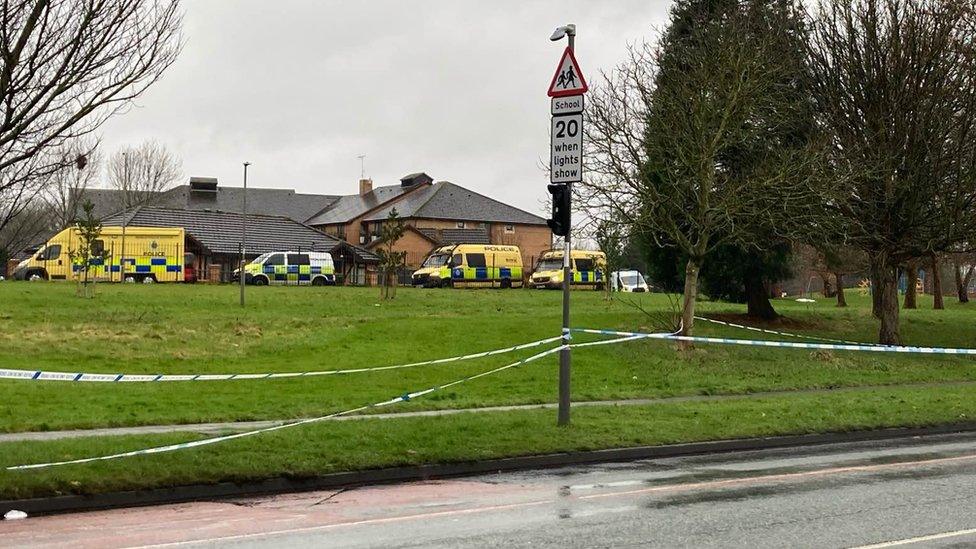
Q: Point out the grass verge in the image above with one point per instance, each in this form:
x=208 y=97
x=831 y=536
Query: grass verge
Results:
x=200 y=329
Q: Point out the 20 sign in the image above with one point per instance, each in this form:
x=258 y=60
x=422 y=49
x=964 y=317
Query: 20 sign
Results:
x=566 y=154
x=566 y=128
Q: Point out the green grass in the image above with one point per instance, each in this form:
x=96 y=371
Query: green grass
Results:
x=341 y=446
x=200 y=329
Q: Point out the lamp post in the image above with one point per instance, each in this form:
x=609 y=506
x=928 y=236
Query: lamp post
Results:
x=240 y=272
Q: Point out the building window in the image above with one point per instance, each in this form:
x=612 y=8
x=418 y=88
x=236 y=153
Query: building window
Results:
x=460 y=224
x=509 y=229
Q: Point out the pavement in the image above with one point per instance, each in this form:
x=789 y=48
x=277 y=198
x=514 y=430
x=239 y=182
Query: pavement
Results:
x=909 y=492
x=223 y=427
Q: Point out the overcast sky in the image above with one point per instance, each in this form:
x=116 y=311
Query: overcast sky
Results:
x=300 y=88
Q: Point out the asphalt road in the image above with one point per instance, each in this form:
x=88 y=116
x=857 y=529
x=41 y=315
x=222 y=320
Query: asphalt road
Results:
x=918 y=492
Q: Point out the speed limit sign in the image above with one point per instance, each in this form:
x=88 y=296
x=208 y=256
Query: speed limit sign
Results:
x=566 y=155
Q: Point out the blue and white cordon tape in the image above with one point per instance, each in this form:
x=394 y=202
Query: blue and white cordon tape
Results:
x=41 y=375
x=628 y=336
x=787 y=334
x=214 y=440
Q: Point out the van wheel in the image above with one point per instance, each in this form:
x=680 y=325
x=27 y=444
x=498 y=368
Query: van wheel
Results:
x=506 y=283
x=130 y=279
x=260 y=281
x=318 y=281
x=36 y=274
x=150 y=279
x=447 y=283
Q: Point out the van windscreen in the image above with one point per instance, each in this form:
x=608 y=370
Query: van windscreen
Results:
x=551 y=264
x=436 y=260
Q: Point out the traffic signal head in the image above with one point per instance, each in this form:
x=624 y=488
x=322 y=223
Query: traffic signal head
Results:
x=560 y=210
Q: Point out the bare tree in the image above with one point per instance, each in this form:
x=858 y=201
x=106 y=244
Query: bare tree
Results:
x=668 y=130
x=140 y=174
x=66 y=66
x=63 y=192
x=893 y=83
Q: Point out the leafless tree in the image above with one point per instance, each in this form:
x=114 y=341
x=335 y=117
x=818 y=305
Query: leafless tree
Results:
x=66 y=66
x=140 y=174
x=63 y=192
x=894 y=86
x=666 y=128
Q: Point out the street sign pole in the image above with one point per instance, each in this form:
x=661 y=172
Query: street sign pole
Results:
x=566 y=166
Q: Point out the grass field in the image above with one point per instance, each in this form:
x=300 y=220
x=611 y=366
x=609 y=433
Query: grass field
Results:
x=201 y=329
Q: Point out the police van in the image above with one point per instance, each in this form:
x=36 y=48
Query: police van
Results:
x=586 y=268
x=152 y=254
x=290 y=268
x=471 y=266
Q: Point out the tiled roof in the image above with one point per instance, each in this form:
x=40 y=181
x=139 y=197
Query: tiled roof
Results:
x=261 y=201
x=445 y=200
x=349 y=207
x=220 y=232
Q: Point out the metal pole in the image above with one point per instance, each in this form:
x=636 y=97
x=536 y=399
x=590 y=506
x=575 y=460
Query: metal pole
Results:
x=565 y=357
x=243 y=235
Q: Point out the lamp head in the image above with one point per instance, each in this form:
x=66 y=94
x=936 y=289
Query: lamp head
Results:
x=562 y=31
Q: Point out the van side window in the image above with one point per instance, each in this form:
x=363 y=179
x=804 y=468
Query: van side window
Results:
x=457 y=261
x=98 y=247
x=51 y=252
x=584 y=264
x=298 y=259
x=476 y=260
x=276 y=259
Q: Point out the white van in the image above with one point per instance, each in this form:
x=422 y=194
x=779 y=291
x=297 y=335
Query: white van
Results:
x=628 y=281
x=279 y=268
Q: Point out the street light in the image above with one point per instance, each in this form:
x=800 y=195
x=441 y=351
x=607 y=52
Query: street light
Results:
x=240 y=272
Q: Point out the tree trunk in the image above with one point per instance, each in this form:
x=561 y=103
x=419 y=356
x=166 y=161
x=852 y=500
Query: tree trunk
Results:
x=937 y=283
x=690 y=297
x=875 y=290
x=962 y=282
x=827 y=290
x=841 y=300
x=911 y=294
x=888 y=290
x=757 y=299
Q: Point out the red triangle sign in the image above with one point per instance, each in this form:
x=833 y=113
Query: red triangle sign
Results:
x=568 y=79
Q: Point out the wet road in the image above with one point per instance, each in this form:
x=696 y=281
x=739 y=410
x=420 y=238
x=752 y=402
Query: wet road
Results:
x=905 y=493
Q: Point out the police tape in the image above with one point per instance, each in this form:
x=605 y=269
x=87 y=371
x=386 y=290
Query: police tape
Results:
x=787 y=334
x=630 y=336
x=214 y=440
x=41 y=375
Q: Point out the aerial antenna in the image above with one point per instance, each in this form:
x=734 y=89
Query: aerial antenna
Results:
x=362 y=166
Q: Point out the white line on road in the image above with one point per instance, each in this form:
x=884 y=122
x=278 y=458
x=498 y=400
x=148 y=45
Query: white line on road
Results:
x=920 y=539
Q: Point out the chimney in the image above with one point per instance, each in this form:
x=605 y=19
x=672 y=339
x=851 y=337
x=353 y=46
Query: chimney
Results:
x=365 y=186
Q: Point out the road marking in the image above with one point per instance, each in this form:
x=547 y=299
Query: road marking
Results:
x=780 y=476
x=920 y=539
x=435 y=514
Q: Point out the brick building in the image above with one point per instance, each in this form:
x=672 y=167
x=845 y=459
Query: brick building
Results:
x=436 y=214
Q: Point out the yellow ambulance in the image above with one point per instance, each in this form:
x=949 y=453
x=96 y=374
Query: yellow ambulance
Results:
x=587 y=268
x=152 y=254
x=471 y=266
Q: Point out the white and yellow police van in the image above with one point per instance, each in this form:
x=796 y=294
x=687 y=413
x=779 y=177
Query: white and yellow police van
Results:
x=587 y=269
x=152 y=254
x=290 y=268
x=471 y=266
